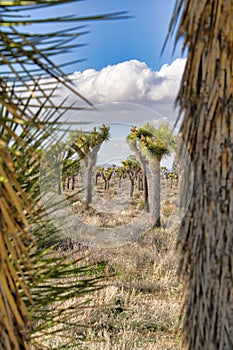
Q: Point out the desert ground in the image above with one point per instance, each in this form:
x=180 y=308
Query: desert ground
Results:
x=140 y=304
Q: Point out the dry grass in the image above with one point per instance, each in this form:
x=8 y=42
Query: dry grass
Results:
x=141 y=306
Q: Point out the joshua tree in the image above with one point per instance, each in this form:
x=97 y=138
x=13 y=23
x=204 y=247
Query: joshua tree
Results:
x=120 y=174
x=172 y=176
x=155 y=150
x=132 y=169
x=55 y=156
x=70 y=171
x=133 y=140
x=87 y=146
x=106 y=175
x=205 y=240
x=97 y=171
x=151 y=144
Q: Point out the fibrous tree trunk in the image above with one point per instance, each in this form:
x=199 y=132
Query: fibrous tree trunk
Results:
x=88 y=183
x=131 y=187
x=87 y=165
x=73 y=182
x=145 y=192
x=155 y=193
x=206 y=240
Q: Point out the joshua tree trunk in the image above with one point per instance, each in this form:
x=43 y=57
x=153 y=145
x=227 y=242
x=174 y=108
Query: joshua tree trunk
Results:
x=155 y=193
x=206 y=236
x=88 y=184
x=106 y=184
x=206 y=239
x=131 y=187
x=73 y=182
x=145 y=192
x=96 y=178
x=87 y=164
x=119 y=182
x=140 y=187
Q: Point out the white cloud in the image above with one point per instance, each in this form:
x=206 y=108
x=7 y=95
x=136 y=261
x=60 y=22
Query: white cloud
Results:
x=126 y=94
x=130 y=81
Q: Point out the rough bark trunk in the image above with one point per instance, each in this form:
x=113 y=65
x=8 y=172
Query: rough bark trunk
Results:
x=68 y=183
x=155 y=193
x=145 y=193
x=87 y=165
x=205 y=240
x=88 y=185
x=139 y=183
x=131 y=188
x=96 y=179
x=73 y=182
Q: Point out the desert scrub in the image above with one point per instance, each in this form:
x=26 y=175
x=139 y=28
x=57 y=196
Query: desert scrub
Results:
x=140 y=306
x=168 y=209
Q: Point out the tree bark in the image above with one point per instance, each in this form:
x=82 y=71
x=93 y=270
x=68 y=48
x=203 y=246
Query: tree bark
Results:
x=145 y=193
x=155 y=193
x=68 y=182
x=131 y=187
x=88 y=185
x=205 y=240
x=73 y=182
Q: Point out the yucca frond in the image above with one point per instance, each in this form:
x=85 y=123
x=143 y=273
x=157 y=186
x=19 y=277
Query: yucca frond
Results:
x=36 y=283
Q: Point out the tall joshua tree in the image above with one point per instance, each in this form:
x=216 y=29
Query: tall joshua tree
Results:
x=152 y=145
x=133 y=140
x=155 y=150
x=87 y=146
x=56 y=155
x=205 y=239
x=132 y=169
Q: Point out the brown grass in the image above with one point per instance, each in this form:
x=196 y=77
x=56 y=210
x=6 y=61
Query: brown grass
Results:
x=140 y=308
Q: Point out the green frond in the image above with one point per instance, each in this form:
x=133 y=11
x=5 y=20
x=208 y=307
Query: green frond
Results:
x=151 y=141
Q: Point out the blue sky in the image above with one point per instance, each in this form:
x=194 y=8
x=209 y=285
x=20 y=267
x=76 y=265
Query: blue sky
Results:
x=123 y=61
x=109 y=42
x=124 y=74
x=140 y=37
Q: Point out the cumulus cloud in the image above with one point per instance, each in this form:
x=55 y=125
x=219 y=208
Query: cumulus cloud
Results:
x=125 y=94
x=130 y=81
